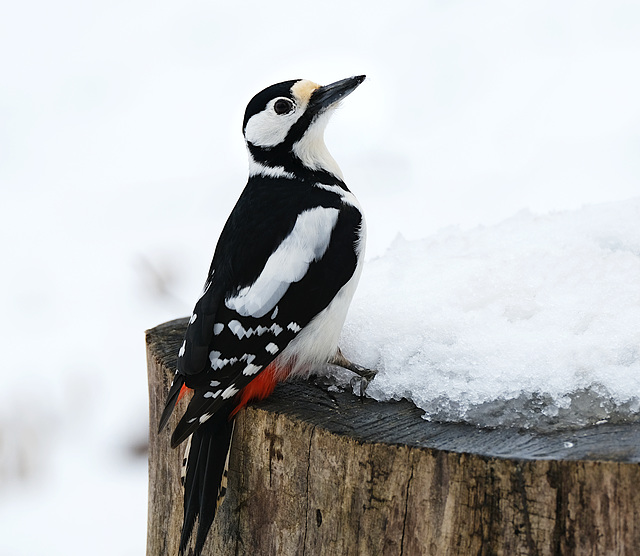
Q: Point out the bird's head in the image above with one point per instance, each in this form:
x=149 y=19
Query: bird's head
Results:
x=284 y=127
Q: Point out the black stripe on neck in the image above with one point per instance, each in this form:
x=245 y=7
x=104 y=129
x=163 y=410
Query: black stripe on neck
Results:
x=281 y=157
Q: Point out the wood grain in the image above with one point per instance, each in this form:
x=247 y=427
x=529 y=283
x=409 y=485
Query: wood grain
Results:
x=314 y=472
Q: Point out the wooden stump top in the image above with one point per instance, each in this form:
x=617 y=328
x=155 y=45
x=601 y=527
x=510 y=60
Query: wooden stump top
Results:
x=401 y=423
x=326 y=473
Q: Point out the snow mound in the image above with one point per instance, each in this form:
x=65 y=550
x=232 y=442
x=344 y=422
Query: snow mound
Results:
x=533 y=322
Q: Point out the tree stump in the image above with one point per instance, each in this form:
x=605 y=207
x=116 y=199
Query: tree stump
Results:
x=326 y=473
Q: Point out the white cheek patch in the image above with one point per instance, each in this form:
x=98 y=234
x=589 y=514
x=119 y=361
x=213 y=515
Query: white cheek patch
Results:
x=268 y=129
x=307 y=242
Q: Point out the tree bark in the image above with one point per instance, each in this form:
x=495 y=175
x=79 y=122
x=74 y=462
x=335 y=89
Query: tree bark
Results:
x=325 y=473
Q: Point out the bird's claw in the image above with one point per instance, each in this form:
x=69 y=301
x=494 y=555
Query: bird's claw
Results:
x=358 y=383
x=366 y=374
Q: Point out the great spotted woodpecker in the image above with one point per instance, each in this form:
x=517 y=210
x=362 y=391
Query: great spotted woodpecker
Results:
x=282 y=277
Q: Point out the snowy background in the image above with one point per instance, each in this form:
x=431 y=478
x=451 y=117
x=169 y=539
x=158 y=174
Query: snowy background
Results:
x=483 y=130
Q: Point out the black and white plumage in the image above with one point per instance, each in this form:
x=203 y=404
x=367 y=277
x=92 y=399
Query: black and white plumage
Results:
x=282 y=277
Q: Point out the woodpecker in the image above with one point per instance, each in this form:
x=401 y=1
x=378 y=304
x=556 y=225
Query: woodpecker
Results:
x=276 y=296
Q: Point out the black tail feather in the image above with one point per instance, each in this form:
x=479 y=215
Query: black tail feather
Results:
x=172 y=398
x=206 y=477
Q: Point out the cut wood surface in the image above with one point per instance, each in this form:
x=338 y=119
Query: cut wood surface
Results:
x=314 y=472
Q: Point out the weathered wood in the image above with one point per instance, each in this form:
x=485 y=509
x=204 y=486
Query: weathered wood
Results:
x=316 y=472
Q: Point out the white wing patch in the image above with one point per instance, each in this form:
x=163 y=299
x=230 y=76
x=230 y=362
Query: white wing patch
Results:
x=259 y=330
x=251 y=369
x=212 y=394
x=218 y=362
x=230 y=391
x=307 y=242
x=272 y=348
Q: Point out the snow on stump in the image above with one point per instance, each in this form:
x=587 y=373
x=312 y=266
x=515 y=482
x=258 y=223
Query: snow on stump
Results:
x=317 y=472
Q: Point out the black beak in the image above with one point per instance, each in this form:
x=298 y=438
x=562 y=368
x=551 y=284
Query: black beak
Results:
x=325 y=97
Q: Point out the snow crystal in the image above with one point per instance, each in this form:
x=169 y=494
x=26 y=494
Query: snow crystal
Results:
x=532 y=322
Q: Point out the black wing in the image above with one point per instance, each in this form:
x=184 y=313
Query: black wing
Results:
x=259 y=294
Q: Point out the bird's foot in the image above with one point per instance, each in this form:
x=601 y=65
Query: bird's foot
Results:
x=341 y=361
x=358 y=383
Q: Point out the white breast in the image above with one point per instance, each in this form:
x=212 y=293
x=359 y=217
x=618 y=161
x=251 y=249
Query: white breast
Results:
x=318 y=341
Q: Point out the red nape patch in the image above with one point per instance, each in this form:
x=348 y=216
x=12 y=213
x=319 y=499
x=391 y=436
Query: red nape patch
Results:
x=183 y=391
x=259 y=388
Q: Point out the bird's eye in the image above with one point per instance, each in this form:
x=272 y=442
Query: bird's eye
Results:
x=283 y=106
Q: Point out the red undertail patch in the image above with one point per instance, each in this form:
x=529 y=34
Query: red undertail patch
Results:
x=183 y=392
x=259 y=388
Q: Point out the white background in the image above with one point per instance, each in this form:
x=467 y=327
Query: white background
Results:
x=121 y=155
